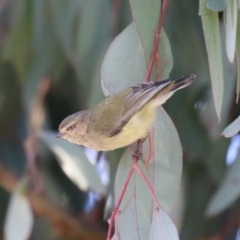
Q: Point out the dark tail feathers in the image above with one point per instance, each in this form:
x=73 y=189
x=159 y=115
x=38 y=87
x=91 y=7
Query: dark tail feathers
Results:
x=183 y=82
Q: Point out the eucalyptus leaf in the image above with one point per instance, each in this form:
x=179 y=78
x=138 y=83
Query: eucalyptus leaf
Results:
x=145 y=16
x=124 y=64
x=232 y=129
x=138 y=217
x=210 y=22
x=17 y=48
x=19 y=217
x=231 y=28
x=65 y=26
x=207 y=113
x=238 y=58
x=74 y=163
x=135 y=212
x=93 y=35
x=228 y=191
x=165 y=164
x=165 y=53
x=216 y=5
x=162 y=226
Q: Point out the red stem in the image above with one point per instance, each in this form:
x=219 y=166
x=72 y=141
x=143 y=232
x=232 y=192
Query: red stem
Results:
x=116 y=11
x=135 y=159
x=111 y=219
x=156 y=41
x=148 y=185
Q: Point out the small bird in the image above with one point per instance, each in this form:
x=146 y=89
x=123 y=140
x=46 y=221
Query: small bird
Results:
x=121 y=119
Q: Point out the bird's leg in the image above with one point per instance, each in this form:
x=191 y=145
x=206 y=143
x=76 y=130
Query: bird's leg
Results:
x=138 y=150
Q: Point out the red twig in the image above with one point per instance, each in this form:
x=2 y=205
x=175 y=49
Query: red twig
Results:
x=116 y=11
x=150 y=148
x=111 y=219
x=135 y=158
x=156 y=41
x=158 y=67
x=121 y=195
x=148 y=185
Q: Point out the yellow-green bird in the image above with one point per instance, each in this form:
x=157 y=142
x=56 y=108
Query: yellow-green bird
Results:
x=121 y=119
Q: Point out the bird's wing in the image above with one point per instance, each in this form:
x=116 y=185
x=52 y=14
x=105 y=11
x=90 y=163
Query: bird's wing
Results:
x=139 y=96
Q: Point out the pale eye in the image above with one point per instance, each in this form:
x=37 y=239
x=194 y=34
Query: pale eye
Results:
x=71 y=128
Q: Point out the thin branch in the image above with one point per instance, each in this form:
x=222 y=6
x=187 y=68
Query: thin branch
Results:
x=158 y=61
x=121 y=195
x=150 y=149
x=116 y=12
x=148 y=185
x=156 y=41
x=111 y=219
x=139 y=143
x=63 y=224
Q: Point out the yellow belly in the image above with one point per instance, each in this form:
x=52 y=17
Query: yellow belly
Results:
x=137 y=127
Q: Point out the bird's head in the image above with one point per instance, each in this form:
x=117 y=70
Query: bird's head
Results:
x=73 y=127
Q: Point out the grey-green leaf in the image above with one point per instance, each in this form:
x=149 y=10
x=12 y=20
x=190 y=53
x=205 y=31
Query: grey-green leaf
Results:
x=216 y=5
x=165 y=53
x=210 y=22
x=138 y=217
x=238 y=58
x=145 y=16
x=166 y=162
x=228 y=191
x=74 y=163
x=232 y=129
x=162 y=227
x=19 y=217
x=135 y=212
x=124 y=64
x=231 y=28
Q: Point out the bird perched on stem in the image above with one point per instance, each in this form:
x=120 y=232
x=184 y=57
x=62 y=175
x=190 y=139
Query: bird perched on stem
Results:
x=121 y=119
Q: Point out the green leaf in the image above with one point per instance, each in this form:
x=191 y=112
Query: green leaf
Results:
x=231 y=15
x=210 y=22
x=232 y=129
x=74 y=163
x=19 y=217
x=10 y=92
x=216 y=5
x=134 y=220
x=93 y=35
x=162 y=226
x=66 y=26
x=138 y=217
x=145 y=16
x=166 y=161
x=238 y=58
x=124 y=63
x=228 y=191
x=207 y=113
x=17 y=48
x=165 y=53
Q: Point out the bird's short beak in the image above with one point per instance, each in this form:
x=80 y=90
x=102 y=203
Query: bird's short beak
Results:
x=59 y=135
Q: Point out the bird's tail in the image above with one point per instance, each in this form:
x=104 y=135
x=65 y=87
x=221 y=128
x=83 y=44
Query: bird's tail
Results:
x=183 y=82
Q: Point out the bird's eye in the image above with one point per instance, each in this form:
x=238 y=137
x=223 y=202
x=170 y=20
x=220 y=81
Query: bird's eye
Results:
x=71 y=128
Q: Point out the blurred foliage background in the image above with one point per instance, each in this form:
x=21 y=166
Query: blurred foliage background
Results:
x=50 y=60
